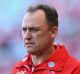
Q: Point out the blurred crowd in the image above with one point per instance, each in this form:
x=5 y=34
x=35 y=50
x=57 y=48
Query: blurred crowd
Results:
x=11 y=15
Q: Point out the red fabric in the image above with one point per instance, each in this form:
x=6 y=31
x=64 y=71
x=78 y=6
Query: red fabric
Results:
x=59 y=63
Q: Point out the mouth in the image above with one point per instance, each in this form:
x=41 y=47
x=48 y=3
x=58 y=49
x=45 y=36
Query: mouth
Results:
x=29 y=44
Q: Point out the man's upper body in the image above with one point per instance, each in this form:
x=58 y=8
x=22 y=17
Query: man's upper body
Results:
x=39 y=28
x=58 y=63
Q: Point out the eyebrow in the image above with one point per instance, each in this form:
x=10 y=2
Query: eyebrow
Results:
x=35 y=27
x=31 y=26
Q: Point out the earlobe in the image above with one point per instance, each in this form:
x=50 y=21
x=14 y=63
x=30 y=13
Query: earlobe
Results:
x=53 y=36
x=54 y=32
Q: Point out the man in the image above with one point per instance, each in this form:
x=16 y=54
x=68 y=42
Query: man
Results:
x=39 y=28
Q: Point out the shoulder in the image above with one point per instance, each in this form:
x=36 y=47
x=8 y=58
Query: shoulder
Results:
x=16 y=67
x=77 y=69
x=73 y=65
x=19 y=64
x=72 y=61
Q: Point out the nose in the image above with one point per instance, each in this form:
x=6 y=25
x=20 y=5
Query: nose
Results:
x=27 y=35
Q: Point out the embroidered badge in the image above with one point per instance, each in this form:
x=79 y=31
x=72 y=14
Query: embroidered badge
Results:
x=51 y=64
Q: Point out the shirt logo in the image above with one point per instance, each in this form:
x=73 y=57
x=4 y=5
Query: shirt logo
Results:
x=51 y=64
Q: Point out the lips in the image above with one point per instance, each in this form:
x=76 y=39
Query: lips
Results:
x=29 y=44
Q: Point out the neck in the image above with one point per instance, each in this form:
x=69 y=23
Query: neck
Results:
x=38 y=59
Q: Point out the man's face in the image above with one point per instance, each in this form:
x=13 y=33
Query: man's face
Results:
x=35 y=32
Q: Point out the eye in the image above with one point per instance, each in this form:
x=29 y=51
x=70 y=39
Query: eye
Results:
x=24 y=29
x=33 y=29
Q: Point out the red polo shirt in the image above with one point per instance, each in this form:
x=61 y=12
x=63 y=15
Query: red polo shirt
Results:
x=59 y=63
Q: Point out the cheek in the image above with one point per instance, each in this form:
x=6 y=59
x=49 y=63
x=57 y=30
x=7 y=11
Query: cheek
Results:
x=41 y=34
x=43 y=38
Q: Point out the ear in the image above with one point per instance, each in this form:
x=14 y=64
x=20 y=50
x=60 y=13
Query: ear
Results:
x=54 y=31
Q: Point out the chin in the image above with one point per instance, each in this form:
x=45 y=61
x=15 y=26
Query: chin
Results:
x=32 y=52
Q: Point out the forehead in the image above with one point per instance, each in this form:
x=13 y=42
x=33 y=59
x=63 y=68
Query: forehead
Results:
x=34 y=18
